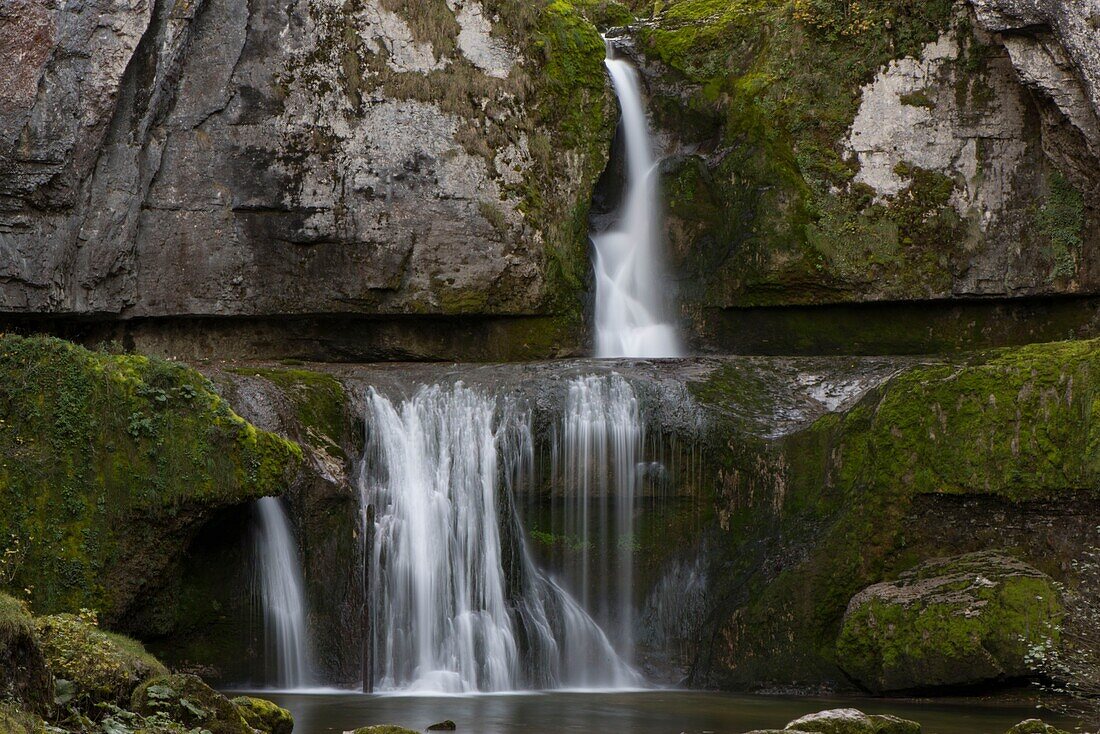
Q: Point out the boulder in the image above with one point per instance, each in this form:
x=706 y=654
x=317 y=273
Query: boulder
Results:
x=960 y=621
x=447 y=725
x=186 y=699
x=264 y=716
x=103 y=667
x=24 y=674
x=852 y=721
x=1034 y=726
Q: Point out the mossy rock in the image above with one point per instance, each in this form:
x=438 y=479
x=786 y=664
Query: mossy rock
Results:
x=265 y=716
x=952 y=622
x=16 y=721
x=186 y=699
x=852 y=721
x=24 y=673
x=111 y=464
x=1035 y=726
x=384 y=729
x=103 y=667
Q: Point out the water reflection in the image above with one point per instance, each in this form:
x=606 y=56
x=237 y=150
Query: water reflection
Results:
x=649 y=712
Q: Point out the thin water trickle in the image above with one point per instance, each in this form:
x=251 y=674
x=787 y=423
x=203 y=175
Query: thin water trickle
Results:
x=457 y=605
x=280 y=588
x=631 y=287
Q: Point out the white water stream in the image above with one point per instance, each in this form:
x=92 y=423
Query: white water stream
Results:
x=631 y=287
x=279 y=585
x=457 y=603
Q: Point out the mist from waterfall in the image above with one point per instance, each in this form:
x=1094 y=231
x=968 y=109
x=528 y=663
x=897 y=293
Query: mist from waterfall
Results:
x=631 y=287
x=279 y=586
x=597 y=452
x=457 y=604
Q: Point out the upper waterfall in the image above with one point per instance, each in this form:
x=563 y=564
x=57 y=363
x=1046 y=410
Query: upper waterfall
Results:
x=630 y=283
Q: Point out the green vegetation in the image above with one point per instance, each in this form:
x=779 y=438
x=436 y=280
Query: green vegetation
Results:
x=1061 y=220
x=96 y=666
x=104 y=456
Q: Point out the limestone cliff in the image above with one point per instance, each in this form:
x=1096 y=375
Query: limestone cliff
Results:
x=162 y=159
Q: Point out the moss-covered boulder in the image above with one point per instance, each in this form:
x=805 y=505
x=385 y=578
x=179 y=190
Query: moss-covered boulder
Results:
x=25 y=676
x=101 y=666
x=951 y=622
x=852 y=721
x=112 y=462
x=264 y=716
x=186 y=699
x=1035 y=726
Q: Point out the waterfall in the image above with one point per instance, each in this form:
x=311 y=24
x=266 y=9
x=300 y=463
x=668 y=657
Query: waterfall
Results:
x=457 y=604
x=630 y=287
x=279 y=584
x=597 y=452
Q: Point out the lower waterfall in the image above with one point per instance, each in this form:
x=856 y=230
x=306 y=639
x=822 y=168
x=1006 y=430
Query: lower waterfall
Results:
x=278 y=583
x=456 y=602
x=597 y=453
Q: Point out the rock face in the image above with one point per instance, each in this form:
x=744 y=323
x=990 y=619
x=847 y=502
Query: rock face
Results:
x=822 y=156
x=166 y=159
x=962 y=621
x=943 y=459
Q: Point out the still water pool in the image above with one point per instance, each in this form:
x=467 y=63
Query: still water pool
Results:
x=646 y=712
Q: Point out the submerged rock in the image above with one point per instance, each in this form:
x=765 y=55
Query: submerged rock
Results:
x=24 y=673
x=852 y=721
x=101 y=666
x=264 y=716
x=1035 y=726
x=186 y=699
x=447 y=725
x=383 y=729
x=951 y=622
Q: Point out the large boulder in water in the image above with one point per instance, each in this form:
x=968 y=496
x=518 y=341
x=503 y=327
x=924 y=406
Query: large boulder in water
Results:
x=852 y=721
x=958 y=621
x=24 y=674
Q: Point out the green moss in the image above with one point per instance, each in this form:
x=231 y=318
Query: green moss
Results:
x=321 y=406
x=956 y=622
x=1061 y=220
x=92 y=441
x=264 y=716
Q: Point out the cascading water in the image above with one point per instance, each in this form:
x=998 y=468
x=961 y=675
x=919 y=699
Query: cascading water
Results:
x=630 y=288
x=280 y=589
x=597 y=453
x=456 y=602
